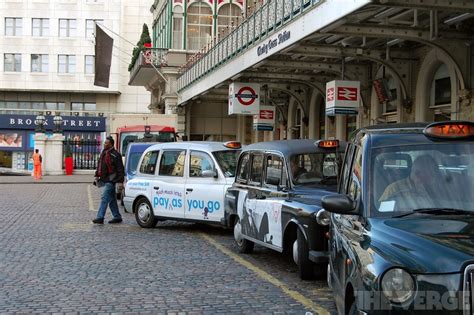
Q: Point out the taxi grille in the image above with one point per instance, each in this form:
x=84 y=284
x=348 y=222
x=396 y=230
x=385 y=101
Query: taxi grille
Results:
x=468 y=290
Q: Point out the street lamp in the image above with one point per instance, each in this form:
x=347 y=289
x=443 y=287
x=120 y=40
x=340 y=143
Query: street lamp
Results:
x=40 y=120
x=57 y=121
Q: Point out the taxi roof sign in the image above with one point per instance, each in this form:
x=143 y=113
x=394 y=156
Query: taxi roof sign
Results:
x=450 y=130
x=233 y=145
x=327 y=143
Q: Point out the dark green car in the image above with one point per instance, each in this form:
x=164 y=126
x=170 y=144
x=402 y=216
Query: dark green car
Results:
x=402 y=224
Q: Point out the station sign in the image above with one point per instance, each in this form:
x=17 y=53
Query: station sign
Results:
x=265 y=119
x=244 y=98
x=342 y=97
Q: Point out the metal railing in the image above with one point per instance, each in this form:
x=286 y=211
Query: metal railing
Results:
x=150 y=56
x=85 y=153
x=263 y=22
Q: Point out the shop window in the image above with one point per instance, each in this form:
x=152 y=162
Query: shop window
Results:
x=199 y=26
x=228 y=14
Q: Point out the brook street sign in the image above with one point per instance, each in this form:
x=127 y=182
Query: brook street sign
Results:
x=244 y=98
x=70 y=123
x=342 y=97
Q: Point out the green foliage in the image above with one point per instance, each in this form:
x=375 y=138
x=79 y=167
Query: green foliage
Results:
x=144 y=38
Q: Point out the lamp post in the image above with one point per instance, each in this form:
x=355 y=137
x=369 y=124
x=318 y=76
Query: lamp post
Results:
x=40 y=120
x=58 y=121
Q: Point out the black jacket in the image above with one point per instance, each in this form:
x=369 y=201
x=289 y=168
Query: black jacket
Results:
x=110 y=167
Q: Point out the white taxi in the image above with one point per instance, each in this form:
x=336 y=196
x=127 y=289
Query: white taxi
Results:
x=184 y=181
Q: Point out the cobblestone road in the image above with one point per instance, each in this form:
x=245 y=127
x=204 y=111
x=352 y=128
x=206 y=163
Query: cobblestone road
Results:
x=53 y=260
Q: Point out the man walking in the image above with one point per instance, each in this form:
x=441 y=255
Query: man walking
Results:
x=37 y=160
x=110 y=172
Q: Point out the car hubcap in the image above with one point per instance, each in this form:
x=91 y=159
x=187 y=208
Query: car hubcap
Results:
x=144 y=212
x=238 y=233
x=295 y=251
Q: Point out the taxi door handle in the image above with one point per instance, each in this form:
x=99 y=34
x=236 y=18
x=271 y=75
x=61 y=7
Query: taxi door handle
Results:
x=189 y=189
x=156 y=188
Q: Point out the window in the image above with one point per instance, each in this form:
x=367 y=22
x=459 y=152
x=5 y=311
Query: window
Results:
x=39 y=63
x=13 y=26
x=356 y=178
x=90 y=27
x=178 y=32
x=200 y=162
x=66 y=63
x=77 y=106
x=229 y=15
x=88 y=107
x=274 y=173
x=148 y=165
x=257 y=169
x=199 y=26
x=172 y=163
x=40 y=27
x=89 y=64
x=67 y=28
x=346 y=169
x=243 y=172
x=12 y=62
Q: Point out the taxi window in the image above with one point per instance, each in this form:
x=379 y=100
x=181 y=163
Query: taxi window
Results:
x=356 y=175
x=243 y=172
x=256 y=169
x=274 y=171
x=199 y=162
x=148 y=165
x=172 y=163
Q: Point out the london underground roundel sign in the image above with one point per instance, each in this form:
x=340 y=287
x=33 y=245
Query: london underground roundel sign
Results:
x=244 y=98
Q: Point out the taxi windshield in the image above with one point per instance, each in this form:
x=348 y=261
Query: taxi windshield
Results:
x=411 y=178
x=314 y=168
x=227 y=161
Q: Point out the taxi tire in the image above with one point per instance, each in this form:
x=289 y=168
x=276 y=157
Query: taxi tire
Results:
x=245 y=246
x=152 y=221
x=305 y=266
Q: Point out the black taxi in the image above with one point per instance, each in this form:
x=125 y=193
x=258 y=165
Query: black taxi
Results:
x=401 y=235
x=276 y=194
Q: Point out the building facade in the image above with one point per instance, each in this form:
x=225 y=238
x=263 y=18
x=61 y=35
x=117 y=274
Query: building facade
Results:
x=47 y=67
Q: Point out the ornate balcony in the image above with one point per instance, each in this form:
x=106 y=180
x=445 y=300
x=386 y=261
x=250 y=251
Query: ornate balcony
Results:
x=147 y=65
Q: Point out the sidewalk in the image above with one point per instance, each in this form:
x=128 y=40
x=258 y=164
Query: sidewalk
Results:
x=60 y=179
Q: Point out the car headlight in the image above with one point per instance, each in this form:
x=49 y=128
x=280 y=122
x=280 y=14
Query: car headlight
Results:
x=398 y=285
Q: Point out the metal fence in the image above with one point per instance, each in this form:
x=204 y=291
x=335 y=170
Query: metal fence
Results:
x=85 y=153
x=265 y=21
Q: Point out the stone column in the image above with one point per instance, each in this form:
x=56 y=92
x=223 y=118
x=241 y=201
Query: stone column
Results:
x=54 y=155
x=40 y=145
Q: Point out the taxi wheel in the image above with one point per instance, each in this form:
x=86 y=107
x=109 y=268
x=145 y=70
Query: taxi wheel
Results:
x=301 y=257
x=245 y=246
x=144 y=214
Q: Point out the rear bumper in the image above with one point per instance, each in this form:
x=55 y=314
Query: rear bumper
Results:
x=128 y=203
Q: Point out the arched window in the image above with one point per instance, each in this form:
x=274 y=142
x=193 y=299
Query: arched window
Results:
x=440 y=98
x=177 y=27
x=199 y=26
x=228 y=13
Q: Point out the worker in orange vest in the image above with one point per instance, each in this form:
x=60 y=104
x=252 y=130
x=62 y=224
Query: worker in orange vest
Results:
x=37 y=160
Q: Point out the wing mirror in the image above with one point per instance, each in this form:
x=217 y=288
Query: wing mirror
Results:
x=341 y=204
x=209 y=173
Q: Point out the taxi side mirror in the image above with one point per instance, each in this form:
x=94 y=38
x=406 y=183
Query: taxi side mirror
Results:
x=209 y=173
x=338 y=203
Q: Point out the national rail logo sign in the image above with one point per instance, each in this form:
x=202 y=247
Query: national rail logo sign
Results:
x=265 y=119
x=244 y=98
x=342 y=97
